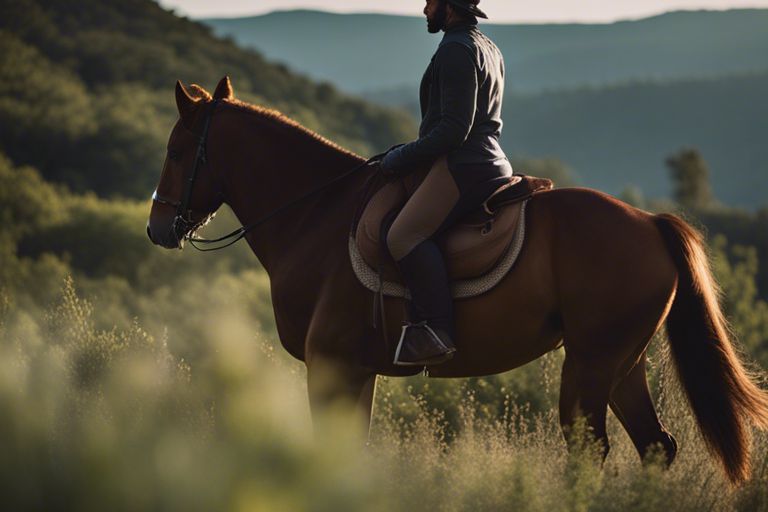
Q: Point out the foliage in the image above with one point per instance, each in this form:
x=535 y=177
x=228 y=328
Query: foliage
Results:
x=52 y=232
x=86 y=91
x=736 y=269
x=196 y=405
x=695 y=199
x=94 y=419
x=690 y=179
x=740 y=227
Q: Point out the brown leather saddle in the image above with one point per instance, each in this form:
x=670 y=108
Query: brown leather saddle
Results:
x=471 y=247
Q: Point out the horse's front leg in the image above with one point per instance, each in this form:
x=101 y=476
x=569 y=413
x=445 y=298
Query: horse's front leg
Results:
x=332 y=351
x=334 y=384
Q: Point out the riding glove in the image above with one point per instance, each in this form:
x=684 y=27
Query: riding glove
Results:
x=387 y=170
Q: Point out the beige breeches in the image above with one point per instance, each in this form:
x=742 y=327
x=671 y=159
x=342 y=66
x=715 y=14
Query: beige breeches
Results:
x=424 y=212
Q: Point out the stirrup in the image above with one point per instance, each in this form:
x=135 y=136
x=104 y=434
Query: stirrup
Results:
x=445 y=354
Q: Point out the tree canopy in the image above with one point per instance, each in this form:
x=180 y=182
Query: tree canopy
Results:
x=86 y=91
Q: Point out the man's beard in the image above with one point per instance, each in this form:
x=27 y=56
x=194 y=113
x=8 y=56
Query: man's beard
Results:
x=437 y=23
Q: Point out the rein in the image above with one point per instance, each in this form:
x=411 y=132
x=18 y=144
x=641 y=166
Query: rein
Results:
x=242 y=231
x=185 y=224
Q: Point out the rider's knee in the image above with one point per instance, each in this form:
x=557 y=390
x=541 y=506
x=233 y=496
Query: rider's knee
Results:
x=394 y=243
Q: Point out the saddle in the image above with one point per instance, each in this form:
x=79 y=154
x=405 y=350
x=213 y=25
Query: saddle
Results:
x=471 y=248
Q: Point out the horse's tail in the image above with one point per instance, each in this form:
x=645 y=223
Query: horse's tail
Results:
x=722 y=393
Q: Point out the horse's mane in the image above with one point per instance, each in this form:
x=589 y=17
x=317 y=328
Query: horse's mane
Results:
x=282 y=120
x=200 y=94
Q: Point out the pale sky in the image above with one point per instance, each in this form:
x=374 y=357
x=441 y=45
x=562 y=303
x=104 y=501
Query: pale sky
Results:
x=499 y=11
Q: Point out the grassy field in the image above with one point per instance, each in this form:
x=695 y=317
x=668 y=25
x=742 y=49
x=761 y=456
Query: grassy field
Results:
x=114 y=419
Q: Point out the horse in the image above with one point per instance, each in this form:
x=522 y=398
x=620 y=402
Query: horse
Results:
x=595 y=275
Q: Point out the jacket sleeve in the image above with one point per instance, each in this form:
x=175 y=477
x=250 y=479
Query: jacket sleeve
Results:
x=457 y=78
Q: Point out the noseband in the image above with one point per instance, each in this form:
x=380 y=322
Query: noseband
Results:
x=184 y=225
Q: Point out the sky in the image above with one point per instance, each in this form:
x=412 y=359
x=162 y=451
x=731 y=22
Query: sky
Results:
x=499 y=11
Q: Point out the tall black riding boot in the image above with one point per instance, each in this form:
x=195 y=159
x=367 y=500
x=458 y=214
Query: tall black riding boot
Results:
x=428 y=338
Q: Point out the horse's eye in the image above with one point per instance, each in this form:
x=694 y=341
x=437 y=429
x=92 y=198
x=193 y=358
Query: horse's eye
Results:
x=173 y=154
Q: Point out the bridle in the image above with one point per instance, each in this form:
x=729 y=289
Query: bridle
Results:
x=184 y=226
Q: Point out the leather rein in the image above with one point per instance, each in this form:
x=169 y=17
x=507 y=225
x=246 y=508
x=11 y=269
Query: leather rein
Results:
x=184 y=227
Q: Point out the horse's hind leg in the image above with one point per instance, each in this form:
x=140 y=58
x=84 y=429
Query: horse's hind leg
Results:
x=631 y=401
x=584 y=391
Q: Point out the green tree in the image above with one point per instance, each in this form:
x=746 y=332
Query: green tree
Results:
x=86 y=91
x=736 y=268
x=690 y=178
x=44 y=109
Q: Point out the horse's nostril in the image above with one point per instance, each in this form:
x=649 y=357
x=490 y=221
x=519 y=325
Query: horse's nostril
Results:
x=149 y=233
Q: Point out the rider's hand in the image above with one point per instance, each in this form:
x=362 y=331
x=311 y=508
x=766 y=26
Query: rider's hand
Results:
x=388 y=176
x=389 y=158
x=387 y=172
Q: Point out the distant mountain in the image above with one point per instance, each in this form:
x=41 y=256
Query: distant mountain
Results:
x=611 y=100
x=364 y=52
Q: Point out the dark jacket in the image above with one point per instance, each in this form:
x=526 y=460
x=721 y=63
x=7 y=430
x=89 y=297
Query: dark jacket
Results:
x=461 y=96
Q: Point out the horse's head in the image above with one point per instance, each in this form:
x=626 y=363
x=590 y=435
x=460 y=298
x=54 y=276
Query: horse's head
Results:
x=189 y=191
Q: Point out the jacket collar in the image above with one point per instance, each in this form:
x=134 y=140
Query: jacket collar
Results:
x=461 y=26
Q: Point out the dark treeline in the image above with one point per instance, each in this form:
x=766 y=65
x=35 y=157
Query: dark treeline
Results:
x=619 y=134
x=696 y=198
x=91 y=82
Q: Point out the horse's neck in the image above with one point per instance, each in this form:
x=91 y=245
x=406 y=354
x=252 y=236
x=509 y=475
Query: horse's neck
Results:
x=296 y=164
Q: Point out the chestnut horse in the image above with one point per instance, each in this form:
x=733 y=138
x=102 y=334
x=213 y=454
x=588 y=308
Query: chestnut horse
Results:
x=595 y=274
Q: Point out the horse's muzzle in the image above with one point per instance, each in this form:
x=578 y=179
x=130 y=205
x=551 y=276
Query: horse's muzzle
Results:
x=168 y=242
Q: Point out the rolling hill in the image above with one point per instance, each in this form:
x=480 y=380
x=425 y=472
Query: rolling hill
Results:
x=86 y=91
x=611 y=100
x=615 y=136
x=368 y=52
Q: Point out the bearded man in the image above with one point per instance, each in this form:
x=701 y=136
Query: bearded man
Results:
x=461 y=95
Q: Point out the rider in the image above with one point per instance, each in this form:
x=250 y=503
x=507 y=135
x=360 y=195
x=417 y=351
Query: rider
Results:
x=461 y=94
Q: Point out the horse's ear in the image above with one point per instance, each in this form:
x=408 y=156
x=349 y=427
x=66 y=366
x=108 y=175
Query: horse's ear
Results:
x=185 y=103
x=224 y=90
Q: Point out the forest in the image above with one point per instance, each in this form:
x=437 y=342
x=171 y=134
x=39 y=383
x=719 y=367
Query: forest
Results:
x=133 y=378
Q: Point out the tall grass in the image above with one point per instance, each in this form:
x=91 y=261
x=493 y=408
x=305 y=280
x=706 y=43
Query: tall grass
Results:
x=95 y=418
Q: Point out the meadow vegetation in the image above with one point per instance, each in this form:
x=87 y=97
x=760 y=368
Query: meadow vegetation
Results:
x=116 y=418
x=147 y=379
